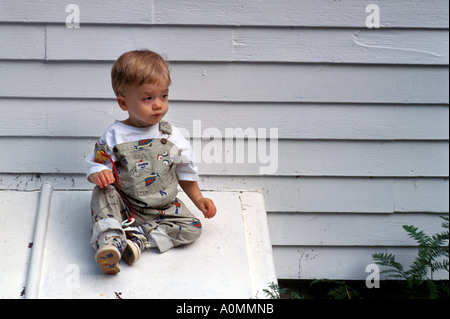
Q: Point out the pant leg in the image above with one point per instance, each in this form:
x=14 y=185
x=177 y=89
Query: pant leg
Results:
x=107 y=208
x=173 y=227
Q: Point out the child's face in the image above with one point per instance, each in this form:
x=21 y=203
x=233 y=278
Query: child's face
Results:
x=146 y=104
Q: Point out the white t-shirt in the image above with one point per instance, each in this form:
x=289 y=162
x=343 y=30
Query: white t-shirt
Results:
x=119 y=133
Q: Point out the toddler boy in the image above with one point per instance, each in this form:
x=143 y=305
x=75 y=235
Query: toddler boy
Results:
x=137 y=165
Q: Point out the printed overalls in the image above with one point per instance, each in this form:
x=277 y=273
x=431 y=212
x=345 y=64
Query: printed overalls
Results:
x=148 y=182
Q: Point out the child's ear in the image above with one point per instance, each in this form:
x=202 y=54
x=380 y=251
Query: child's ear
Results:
x=122 y=103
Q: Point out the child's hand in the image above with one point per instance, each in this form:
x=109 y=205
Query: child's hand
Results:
x=207 y=207
x=102 y=178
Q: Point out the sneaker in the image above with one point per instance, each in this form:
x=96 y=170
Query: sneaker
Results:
x=135 y=245
x=108 y=256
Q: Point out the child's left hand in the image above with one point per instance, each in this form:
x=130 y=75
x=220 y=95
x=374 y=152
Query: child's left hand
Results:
x=207 y=207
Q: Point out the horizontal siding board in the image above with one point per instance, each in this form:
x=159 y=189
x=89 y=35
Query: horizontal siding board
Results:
x=89 y=118
x=332 y=158
x=422 y=195
x=348 y=263
x=364 y=46
x=347 y=229
x=309 y=13
x=306 y=13
x=33 y=182
x=422 y=121
x=305 y=158
x=197 y=43
x=54 y=11
x=22 y=42
x=241 y=82
x=251 y=44
x=292 y=194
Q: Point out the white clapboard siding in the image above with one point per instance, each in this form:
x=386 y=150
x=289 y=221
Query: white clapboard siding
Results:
x=252 y=44
x=362 y=114
x=291 y=194
x=228 y=44
x=341 y=195
x=343 y=230
x=310 y=13
x=287 y=158
x=89 y=117
x=305 y=13
x=337 y=262
x=241 y=82
x=22 y=42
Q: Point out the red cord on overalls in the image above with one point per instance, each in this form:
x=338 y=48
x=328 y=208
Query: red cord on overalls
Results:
x=130 y=220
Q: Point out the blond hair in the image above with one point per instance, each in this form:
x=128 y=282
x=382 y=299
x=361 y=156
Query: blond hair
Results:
x=138 y=67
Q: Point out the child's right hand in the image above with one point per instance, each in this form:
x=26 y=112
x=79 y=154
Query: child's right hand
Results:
x=103 y=178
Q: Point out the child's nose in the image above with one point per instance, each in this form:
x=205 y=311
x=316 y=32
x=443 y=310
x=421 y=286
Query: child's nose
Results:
x=157 y=104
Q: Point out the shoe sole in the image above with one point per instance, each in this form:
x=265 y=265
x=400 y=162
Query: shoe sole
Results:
x=132 y=253
x=108 y=259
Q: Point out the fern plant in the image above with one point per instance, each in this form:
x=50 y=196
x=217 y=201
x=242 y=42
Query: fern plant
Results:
x=432 y=255
x=340 y=290
x=274 y=291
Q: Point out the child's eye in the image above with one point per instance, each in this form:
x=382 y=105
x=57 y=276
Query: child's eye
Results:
x=148 y=98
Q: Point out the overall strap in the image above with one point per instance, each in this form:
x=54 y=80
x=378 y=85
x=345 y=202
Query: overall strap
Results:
x=165 y=127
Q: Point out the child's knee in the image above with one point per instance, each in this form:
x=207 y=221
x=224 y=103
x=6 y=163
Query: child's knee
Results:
x=196 y=229
x=190 y=232
x=185 y=233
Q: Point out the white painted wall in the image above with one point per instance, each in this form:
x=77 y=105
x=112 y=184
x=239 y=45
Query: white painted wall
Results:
x=362 y=114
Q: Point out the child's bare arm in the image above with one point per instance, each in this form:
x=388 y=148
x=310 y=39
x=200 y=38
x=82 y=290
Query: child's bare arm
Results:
x=102 y=178
x=205 y=205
